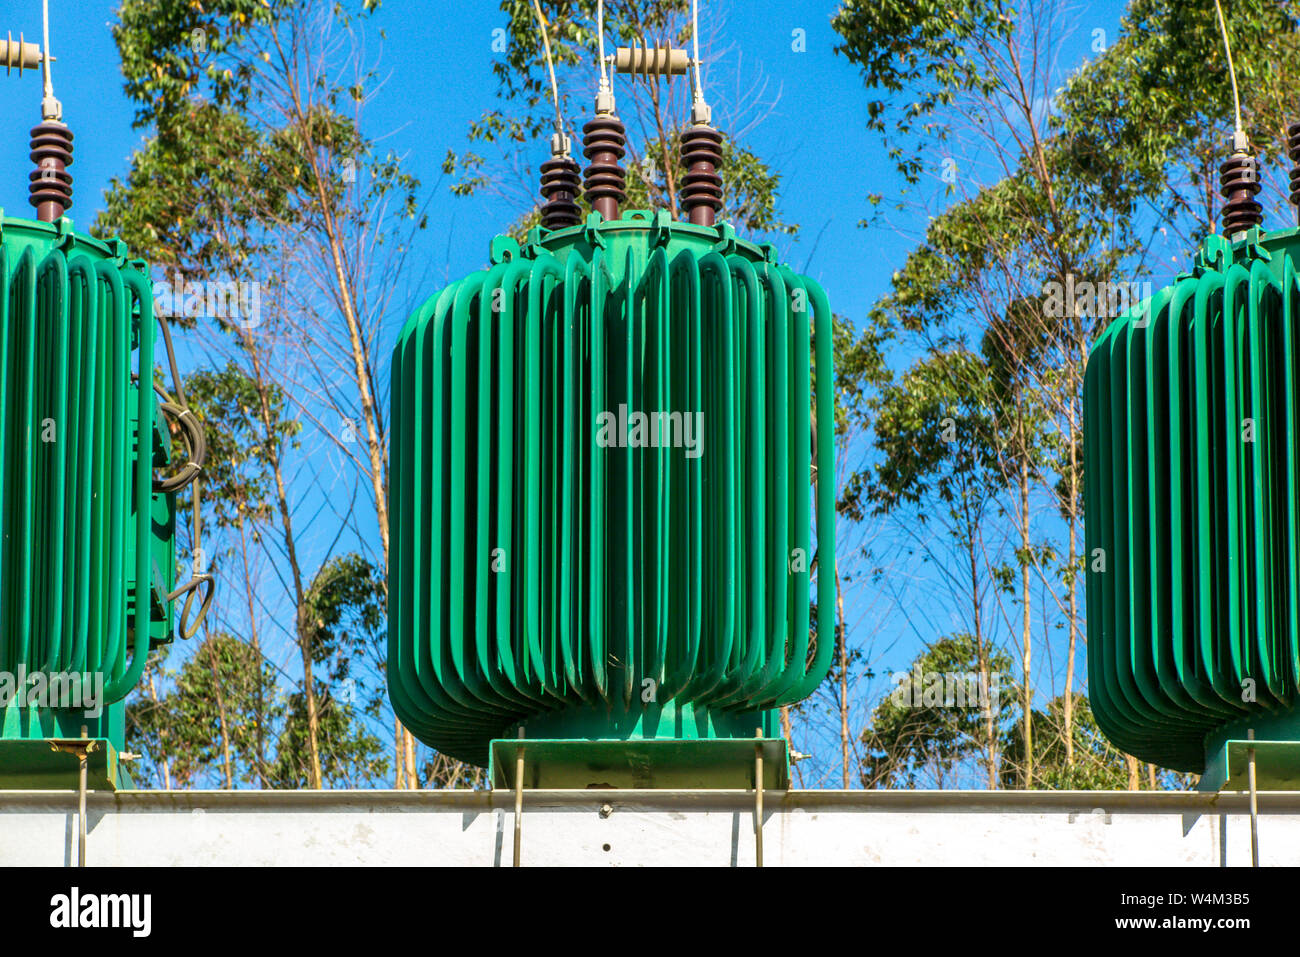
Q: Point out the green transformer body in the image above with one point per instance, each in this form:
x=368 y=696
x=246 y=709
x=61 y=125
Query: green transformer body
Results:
x=1192 y=517
x=604 y=455
x=87 y=547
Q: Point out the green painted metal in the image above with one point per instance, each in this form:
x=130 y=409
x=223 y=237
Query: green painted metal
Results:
x=1192 y=514
x=1277 y=754
x=30 y=764
x=542 y=576
x=87 y=549
x=679 y=764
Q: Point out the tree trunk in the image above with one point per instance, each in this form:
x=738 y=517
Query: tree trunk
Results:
x=1073 y=566
x=788 y=732
x=221 y=714
x=841 y=635
x=347 y=301
x=1026 y=629
x=412 y=771
x=346 y=297
x=259 y=719
x=400 y=751
x=982 y=664
x=314 y=777
x=165 y=761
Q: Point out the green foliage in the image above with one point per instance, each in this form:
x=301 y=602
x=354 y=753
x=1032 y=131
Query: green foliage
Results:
x=209 y=719
x=991 y=228
x=171 y=49
x=860 y=368
x=342 y=622
x=1148 y=121
x=237 y=477
x=174 y=51
x=750 y=189
x=749 y=186
x=1097 y=764
x=918 y=51
x=209 y=168
x=521 y=72
x=918 y=740
x=214 y=715
x=936 y=441
x=343 y=619
x=231 y=175
x=928 y=725
x=351 y=756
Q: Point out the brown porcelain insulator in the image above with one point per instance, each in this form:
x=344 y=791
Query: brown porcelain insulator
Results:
x=605 y=184
x=701 y=185
x=1239 y=184
x=51 y=183
x=1293 y=144
x=561 y=183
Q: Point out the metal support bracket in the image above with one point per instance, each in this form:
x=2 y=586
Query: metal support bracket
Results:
x=519 y=797
x=1254 y=799
x=759 y=762
x=81 y=748
x=758 y=797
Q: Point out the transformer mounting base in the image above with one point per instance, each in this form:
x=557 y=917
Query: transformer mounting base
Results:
x=36 y=764
x=665 y=763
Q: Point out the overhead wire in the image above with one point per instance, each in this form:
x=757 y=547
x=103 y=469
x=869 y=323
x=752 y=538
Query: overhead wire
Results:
x=1232 y=69
x=550 y=66
x=51 y=108
x=695 y=46
x=45 y=36
x=600 y=41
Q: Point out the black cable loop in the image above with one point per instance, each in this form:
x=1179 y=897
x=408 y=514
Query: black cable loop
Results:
x=177 y=412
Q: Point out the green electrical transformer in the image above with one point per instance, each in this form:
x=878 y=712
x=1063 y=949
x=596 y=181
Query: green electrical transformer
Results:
x=604 y=455
x=1192 y=452
x=87 y=547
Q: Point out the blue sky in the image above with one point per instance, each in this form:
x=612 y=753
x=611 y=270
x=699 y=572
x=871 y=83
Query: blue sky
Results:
x=437 y=59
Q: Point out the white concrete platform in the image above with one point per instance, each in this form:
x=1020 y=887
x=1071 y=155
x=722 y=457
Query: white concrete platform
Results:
x=631 y=828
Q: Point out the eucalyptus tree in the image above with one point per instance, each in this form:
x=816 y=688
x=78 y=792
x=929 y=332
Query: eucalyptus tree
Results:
x=202 y=723
x=937 y=466
x=258 y=169
x=934 y=718
x=1051 y=187
x=245 y=428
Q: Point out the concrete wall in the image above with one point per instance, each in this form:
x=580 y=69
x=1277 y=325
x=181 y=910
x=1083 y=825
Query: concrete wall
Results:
x=631 y=828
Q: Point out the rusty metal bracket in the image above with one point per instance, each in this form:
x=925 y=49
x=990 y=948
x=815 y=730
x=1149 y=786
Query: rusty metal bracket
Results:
x=1254 y=802
x=80 y=748
x=758 y=798
x=519 y=798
